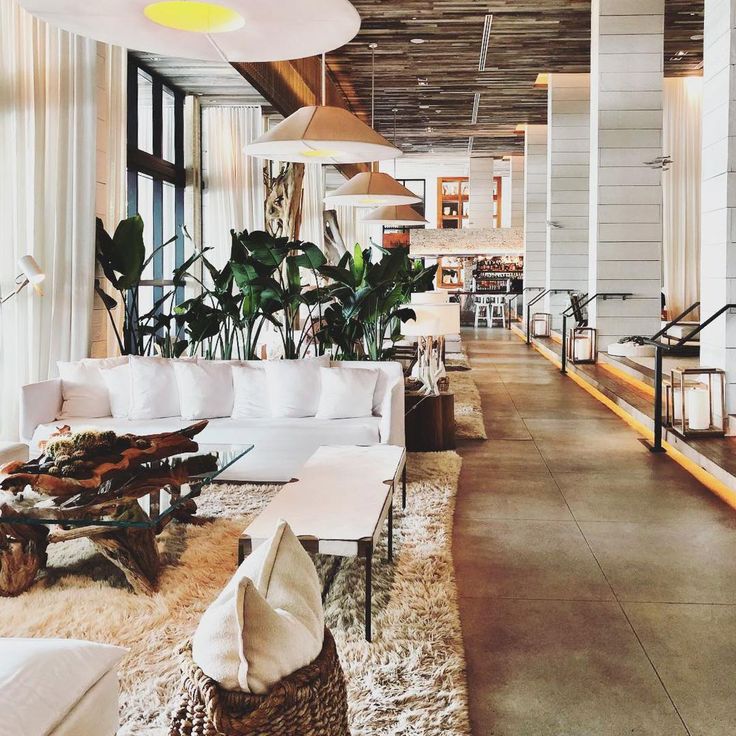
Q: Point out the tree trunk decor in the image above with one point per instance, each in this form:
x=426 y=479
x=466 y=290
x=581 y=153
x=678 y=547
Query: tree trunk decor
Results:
x=284 y=200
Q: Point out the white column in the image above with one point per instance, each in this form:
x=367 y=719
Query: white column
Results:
x=480 y=202
x=535 y=211
x=516 y=190
x=625 y=194
x=718 y=222
x=568 y=164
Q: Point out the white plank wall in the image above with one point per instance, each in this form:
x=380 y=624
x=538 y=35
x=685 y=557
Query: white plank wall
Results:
x=516 y=191
x=718 y=237
x=480 y=202
x=568 y=164
x=625 y=195
x=535 y=211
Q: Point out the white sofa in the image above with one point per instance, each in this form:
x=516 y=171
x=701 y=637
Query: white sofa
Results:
x=281 y=444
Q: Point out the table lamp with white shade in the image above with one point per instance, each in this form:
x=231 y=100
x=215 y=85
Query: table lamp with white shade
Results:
x=30 y=273
x=432 y=323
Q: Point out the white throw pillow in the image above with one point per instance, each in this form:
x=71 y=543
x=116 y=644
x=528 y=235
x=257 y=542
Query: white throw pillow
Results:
x=117 y=381
x=251 y=392
x=293 y=386
x=268 y=620
x=205 y=388
x=41 y=680
x=153 y=391
x=346 y=392
x=83 y=391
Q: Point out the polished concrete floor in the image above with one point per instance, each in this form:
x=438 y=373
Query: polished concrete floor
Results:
x=597 y=581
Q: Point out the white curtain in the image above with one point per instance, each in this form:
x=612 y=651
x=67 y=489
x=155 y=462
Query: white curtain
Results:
x=47 y=199
x=681 y=136
x=352 y=229
x=312 y=227
x=234 y=193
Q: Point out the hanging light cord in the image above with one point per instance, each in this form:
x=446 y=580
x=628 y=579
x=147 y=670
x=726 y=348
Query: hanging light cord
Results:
x=373 y=84
x=323 y=79
x=395 y=110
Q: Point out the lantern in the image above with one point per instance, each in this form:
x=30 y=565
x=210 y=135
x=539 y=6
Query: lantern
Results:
x=541 y=324
x=581 y=345
x=696 y=402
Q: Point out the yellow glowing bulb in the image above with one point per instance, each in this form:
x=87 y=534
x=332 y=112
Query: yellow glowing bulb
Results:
x=196 y=17
x=320 y=153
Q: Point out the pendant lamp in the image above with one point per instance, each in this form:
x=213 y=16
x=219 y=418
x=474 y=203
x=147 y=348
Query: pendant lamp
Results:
x=372 y=188
x=322 y=134
x=222 y=30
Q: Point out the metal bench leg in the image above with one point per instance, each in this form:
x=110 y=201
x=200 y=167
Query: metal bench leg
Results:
x=368 y=605
x=391 y=532
x=403 y=487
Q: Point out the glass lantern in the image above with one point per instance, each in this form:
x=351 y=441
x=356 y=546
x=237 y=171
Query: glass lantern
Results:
x=541 y=324
x=696 y=404
x=581 y=345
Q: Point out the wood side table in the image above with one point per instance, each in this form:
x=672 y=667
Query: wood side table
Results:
x=430 y=421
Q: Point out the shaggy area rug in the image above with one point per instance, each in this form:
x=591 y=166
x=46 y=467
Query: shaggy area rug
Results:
x=468 y=410
x=410 y=680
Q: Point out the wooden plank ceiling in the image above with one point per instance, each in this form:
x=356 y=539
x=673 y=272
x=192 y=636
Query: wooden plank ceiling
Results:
x=433 y=84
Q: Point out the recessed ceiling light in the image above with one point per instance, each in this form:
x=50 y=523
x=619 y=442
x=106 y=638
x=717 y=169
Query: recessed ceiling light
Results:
x=423 y=107
x=417 y=40
x=697 y=37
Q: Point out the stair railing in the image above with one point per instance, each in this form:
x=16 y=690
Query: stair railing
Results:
x=531 y=303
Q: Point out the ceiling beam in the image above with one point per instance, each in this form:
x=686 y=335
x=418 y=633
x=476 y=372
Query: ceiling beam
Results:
x=289 y=85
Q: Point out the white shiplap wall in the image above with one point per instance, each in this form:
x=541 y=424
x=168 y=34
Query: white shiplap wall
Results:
x=568 y=164
x=480 y=204
x=535 y=210
x=625 y=195
x=718 y=221
x=514 y=193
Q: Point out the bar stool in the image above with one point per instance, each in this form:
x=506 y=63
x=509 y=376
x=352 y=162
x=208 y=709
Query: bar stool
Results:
x=498 y=311
x=482 y=310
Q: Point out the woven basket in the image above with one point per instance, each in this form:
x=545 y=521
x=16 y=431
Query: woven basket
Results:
x=310 y=702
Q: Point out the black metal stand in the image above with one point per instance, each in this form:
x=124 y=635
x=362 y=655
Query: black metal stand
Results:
x=391 y=532
x=657 y=444
x=403 y=487
x=368 y=592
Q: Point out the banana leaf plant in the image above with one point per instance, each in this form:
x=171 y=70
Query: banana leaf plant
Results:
x=368 y=302
x=122 y=258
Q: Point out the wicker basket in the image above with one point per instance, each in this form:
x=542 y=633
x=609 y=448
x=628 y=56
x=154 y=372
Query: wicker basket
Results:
x=310 y=702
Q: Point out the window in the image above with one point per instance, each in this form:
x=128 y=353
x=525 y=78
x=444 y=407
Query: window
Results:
x=156 y=176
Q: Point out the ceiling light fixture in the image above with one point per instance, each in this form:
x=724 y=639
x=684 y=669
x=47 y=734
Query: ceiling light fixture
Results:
x=230 y=30
x=417 y=40
x=476 y=105
x=322 y=134
x=485 y=40
x=372 y=188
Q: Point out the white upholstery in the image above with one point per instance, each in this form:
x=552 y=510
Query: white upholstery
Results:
x=96 y=714
x=43 y=680
x=10 y=451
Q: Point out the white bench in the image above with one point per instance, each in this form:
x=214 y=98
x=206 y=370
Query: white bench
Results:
x=337 y=506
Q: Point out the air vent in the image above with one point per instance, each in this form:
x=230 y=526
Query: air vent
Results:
x=484 y=42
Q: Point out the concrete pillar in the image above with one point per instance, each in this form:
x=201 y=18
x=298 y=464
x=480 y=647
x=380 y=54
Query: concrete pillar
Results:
x=480 y=202
x=516 y=190
x=535 y=211
x=718 y=221
x=626 y=83
x=568 y=167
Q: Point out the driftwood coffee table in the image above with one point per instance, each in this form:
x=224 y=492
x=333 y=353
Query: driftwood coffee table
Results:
x=125 y=501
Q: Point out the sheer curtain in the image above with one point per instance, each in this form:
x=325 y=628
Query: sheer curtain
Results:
x=352 y=229
x=234 y=193
x=47 y=200
x=312 y=227
x=681 y=134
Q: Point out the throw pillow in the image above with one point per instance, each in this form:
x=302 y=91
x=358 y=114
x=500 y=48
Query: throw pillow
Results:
x=117 y=381
x=293 y=386
x=251 y=392
x=153 y=390
x=346 y=392
x=83 y=391
x=267 y=622
x=205 y=388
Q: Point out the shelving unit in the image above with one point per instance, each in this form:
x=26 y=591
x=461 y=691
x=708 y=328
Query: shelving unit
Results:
x=493 y=274
x=453 y=194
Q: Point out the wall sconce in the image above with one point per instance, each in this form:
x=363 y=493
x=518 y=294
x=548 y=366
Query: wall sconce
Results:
x=541 y=324
x=696 y=402
x=30 y=273
x=582 y=345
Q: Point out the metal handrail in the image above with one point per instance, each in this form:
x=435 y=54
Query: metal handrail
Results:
x=676 y=320
x=514 y=296
x=605 y=295
x=662 y=347
x=531 y=303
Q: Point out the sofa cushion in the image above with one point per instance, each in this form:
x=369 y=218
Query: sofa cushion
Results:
x=346 y=392
x=293 y=386
x=83 y=390
x=43 y=679
x=267 y=622
x=153 y=390
x=251 y=392
x=117 y=382
x=205 y=388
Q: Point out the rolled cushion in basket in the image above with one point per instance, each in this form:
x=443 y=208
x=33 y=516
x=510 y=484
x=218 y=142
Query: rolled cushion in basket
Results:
x=267 y=622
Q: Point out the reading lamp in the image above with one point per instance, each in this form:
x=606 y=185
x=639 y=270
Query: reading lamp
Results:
x=30 y=273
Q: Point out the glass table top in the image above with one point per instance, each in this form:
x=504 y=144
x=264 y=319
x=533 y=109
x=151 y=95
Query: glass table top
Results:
x=157 y=505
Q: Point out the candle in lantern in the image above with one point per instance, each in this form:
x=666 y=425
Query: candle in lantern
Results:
x=698 y=408
x=582 y=347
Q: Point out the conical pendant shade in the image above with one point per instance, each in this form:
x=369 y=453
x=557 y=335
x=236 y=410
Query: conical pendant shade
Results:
x=322 y=135
x=372 y=189
x=402 y=214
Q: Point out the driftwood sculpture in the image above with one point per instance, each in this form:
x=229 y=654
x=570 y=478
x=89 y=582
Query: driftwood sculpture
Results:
x=101 y=505
x=334 y=244
x=284 y=200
